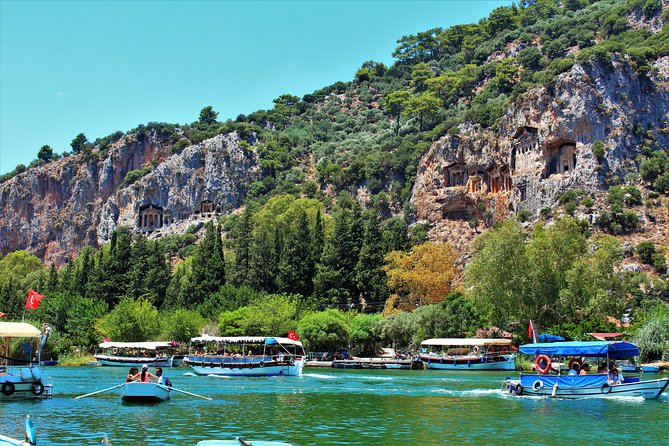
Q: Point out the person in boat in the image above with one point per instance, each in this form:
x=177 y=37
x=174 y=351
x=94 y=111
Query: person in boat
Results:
x=574 y=369
x=615 y=377
x=585 y=368
x=131 y=374
x=160 y=379
x=145 y=376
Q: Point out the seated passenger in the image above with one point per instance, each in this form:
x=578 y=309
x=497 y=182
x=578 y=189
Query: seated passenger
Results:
x=131 y=375
x=575 y=368
x=159 y=376
x=585 y=368
x=615 y=377
x=145 y=376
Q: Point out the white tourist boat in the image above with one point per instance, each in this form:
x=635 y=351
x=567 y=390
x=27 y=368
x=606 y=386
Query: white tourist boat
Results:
x=137 y=392
x=246 y=356
x=129 y=354
x=581 y=386
x=468 y=354
x=22 y=378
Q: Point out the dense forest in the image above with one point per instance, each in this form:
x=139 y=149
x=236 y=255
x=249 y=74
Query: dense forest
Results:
x=306 y=255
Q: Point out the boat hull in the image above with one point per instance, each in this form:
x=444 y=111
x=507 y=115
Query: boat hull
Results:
x=129 y=361
x=144 y=393
x=25 y=383
x=269 y=368
x=468 y=363
x=645 y=389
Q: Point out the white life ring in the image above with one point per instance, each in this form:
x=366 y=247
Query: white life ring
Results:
x=475 y=349
x=538 y=385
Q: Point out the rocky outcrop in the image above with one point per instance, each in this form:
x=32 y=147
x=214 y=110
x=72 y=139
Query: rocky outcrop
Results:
x=55 y=209
x=205 y=179
x=544 y=145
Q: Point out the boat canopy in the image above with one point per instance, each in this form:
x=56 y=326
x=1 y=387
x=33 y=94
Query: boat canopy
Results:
x=246 y=340
x=466 y=341
x=18 y=330
x=599 y=349
x=144 y=345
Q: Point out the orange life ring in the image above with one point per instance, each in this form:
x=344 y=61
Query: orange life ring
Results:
x=543 y=370
x=575 y=360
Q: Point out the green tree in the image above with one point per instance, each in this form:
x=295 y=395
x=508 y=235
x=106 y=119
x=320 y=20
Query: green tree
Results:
x=181 y=324
x=324 y=331
x=424 y=107
x=395 y=103
x=45 y=153
x=208 y=267
x=296 y=265
x=243 y=250
x=369 y=274
x=419 y=75
x=79 y=143
x=208 y=115
x=130 y=321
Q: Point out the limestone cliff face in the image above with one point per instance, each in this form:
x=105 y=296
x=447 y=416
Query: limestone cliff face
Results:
x=544 y=145
x=204 y=179
x=55 y=209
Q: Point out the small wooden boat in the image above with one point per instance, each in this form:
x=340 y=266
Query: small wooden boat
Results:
x=137 y=392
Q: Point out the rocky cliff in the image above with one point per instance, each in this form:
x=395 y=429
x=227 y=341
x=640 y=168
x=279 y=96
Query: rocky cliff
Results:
x=544 y=146
x=55 y=209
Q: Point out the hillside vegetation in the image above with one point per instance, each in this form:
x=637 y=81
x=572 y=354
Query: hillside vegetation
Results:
x=306 y=253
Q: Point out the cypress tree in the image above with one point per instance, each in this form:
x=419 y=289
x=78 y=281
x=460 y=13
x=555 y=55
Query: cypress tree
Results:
x=370 y=276
x=265 y=252
x=296 y=264
x=333 y=272
x=52 y=284
x=208 y=267
x=243 y=250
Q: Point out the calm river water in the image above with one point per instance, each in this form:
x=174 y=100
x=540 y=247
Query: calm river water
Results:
x=332 y=407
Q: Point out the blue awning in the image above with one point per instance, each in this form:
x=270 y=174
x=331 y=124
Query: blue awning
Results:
x=550 y=338
x=600 y=349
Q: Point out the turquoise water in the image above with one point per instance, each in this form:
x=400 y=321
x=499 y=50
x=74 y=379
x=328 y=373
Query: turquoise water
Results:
x=332 y=407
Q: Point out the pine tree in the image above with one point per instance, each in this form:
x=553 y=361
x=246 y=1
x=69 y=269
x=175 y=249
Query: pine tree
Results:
x=370 y=276
x=243 y=250
x=296 y=265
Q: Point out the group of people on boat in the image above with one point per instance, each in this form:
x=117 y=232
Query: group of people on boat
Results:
x=578 y=368
x=134 y=375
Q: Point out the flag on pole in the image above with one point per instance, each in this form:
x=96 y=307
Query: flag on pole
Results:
x=105 y=339
x=2 y=314
x=292 y=335
x=33 y=299
x=530 y=330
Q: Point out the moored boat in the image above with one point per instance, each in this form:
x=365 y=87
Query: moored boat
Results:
x=246 y=356
x=597 y=385
x=137 y=392
x=128 y=354
x=30 y=436
x=468 y=354
x=22 y=378
x=241 y=442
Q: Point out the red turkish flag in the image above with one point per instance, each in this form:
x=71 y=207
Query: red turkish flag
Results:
x=293 y=336
x=33 y=299
x=2 y=314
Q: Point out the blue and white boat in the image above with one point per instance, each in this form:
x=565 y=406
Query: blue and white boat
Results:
x=468 y=354
x=246 y=356
x=22 y=378
x=129 y=354
x=30 y=437
x=581 y=386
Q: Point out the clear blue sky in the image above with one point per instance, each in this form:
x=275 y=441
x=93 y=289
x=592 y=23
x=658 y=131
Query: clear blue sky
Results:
x=97 y=67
